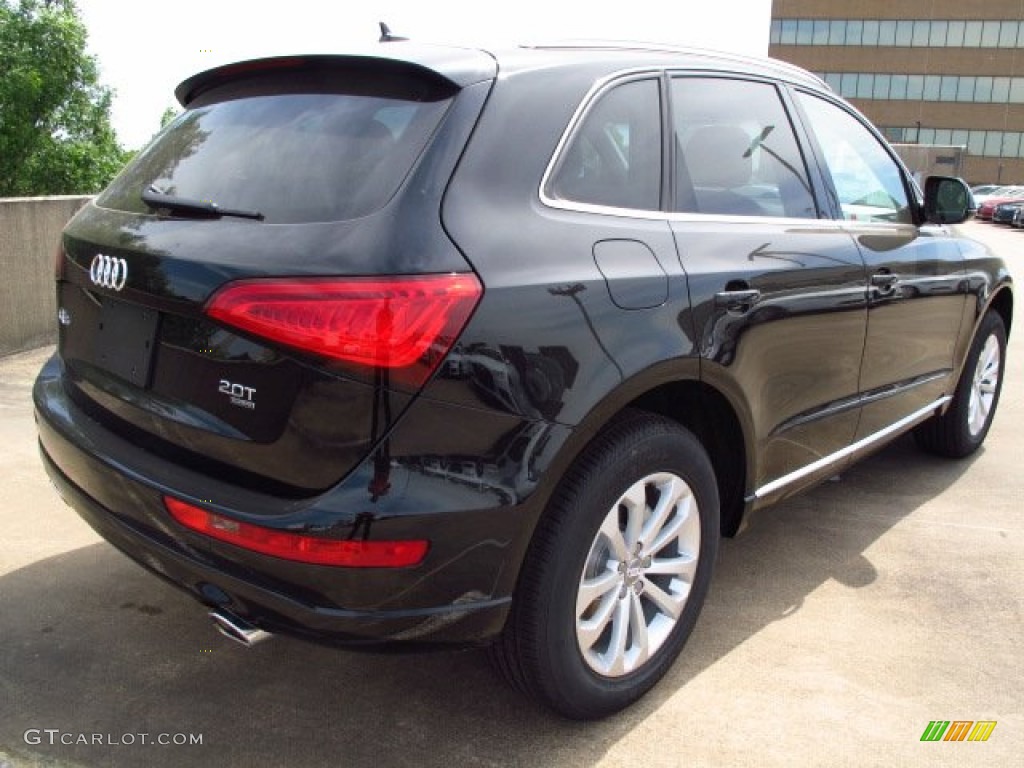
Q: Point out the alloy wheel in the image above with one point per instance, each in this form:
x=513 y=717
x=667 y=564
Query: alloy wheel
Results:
x=638 y=574
x=984 y=386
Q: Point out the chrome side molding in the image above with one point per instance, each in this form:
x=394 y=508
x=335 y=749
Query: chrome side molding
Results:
x=833 y=458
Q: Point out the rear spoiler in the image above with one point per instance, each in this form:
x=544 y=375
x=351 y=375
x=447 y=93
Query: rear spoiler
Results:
x=434 y=67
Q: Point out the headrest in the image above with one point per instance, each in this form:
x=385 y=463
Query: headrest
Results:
x=715 y=157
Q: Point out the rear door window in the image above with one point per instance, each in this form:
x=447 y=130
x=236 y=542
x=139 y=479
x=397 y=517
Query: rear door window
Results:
x=735 y=150
x=295 y=152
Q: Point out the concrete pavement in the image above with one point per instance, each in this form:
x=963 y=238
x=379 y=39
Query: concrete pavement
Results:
x=837 y=627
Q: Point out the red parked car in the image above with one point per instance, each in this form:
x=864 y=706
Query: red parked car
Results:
x=986 y=209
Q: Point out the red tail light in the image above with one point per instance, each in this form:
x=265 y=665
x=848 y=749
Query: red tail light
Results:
x=391 y=322
x=294 y=546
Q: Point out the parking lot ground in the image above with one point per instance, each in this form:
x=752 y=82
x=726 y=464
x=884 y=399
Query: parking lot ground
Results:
x=838 y=626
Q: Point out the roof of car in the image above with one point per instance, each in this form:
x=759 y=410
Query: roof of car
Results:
x=635 y=53
x=464 y=65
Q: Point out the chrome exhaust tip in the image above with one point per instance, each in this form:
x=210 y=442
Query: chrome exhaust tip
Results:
x=238 y=629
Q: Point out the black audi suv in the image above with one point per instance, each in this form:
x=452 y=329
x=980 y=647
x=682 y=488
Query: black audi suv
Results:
x=441 y=346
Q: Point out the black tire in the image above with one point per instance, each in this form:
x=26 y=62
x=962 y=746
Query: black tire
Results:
x=957 y=433
x=540 y=651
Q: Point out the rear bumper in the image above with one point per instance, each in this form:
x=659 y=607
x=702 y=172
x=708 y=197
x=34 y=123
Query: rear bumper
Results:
x=275 y=612
x=459 y=595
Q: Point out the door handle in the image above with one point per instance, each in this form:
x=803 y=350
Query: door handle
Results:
x=884 y=279
x=885 y=282
x=737 y=300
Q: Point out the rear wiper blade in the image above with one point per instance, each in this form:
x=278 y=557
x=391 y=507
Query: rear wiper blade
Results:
x=202 y=209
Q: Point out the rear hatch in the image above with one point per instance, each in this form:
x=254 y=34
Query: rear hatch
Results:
x=264 y=289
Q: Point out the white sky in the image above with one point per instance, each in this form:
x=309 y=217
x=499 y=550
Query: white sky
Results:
x=145 y=49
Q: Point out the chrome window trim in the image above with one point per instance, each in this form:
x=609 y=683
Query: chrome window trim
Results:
x=685 y=216
x=843 y=453
x=590 y=99
x=582 y=109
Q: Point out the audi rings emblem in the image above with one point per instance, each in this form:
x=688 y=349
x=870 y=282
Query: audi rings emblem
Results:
x=108 y=272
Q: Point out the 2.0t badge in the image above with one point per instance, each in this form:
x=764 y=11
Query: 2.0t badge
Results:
x=108 y=271
x=239 y=394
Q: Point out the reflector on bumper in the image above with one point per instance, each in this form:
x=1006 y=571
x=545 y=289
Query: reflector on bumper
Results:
x=294 y=546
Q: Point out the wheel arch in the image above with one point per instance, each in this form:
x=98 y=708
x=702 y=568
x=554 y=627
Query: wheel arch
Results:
x=1002 y=302
x=678 y=393
x=709 y=415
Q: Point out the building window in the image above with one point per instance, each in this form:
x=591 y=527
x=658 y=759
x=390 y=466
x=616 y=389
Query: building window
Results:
x=915 y=87
x=965 y=88
x=837 y=33
x=870 y=33
x=1000 y=89
x=976 y=142
x=1017 y=90
x=983 y=90
x=820 y=34
x=1011 y=144
x=805 y=32
x=972 y=34
x=948 y=88
x=919 y=33
x=955 y=35
x=865 y=85
x=787 y=32
x=979 y=143
x=1008 y=34
x=989 y=34
x=904 y=33
x=898 y=90
x=854 y=32
x=887 y=33
x=881 y=89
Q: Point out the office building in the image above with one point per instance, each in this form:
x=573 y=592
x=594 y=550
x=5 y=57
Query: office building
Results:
x=942 y=72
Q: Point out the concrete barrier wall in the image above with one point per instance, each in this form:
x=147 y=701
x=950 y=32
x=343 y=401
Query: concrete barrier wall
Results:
x=30 y=230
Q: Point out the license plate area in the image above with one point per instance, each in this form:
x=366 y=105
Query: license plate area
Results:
x=124 y=341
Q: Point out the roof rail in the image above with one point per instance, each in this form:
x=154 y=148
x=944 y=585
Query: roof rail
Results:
x=783 y=67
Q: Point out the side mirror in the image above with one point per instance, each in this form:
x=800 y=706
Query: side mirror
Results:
x=947 y=200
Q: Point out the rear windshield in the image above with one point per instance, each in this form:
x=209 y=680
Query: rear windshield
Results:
x=295 y=157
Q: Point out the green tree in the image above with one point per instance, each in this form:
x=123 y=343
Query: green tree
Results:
x=169 y=114
x=55 y=131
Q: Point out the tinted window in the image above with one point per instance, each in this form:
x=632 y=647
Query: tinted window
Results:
x=614 y=157
x=937 y=34
x=854 y=32
x=294 y=157
x=866 y=178
x=735 y=150
x=955 y=34
x=837 y=33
